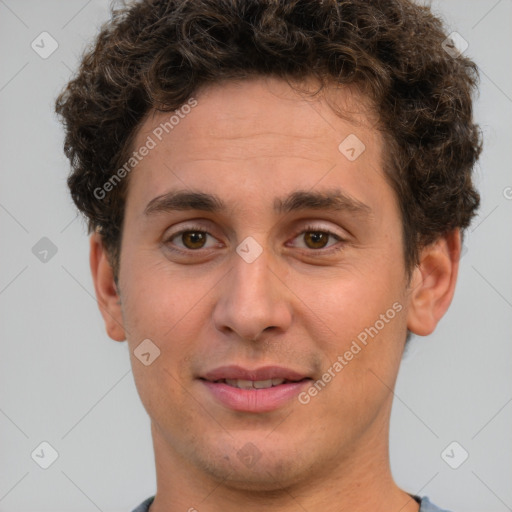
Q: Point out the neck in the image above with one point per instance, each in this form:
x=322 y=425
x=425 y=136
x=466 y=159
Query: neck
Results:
x=357 y=481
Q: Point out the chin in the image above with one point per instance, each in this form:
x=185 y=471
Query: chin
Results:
x=270 y=470
x=268 y=478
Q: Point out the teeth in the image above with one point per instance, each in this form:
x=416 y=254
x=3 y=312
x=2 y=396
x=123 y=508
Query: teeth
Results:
x=262 y=384
x=254 y=384
x=240 y=383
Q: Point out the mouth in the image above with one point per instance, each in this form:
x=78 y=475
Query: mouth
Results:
x=259 y=390
x=256 y=384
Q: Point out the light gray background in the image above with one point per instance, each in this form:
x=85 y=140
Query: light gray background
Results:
x=62 y=380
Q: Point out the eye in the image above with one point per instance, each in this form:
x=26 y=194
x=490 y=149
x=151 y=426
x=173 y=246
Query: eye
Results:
x=316 y=237
x=192 y=238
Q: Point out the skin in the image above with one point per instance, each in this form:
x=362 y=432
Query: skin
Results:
x=296 y=305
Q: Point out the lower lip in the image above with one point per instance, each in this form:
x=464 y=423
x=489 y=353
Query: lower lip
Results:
x=255 y=400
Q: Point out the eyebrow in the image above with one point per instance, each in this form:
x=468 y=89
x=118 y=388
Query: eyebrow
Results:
x=329 y=200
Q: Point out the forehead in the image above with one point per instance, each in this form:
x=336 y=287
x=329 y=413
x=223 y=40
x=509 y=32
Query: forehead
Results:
x=259 y=135
x=258 y=106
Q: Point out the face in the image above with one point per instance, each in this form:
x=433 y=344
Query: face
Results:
x=265 y=261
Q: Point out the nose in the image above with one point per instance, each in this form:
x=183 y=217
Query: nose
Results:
x=254 y=300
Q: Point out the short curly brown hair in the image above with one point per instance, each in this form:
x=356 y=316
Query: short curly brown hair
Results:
x=155 y=54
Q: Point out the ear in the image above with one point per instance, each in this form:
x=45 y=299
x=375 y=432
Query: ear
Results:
x=107 y=295
x=433 y=283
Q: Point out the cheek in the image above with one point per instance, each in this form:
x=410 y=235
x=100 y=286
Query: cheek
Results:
x=168 y=311
x=347 y=302
x=157 y=300
x=359 y=376
x=362 y=319
x=161 y=393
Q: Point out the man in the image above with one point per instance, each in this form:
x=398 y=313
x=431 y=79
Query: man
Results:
x=276 y=192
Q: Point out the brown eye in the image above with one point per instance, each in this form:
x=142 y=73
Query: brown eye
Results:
x=316 y=239
x=193 y=239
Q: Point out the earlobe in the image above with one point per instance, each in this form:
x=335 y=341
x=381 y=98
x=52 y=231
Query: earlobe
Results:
x=107 y=295
x=433 y=283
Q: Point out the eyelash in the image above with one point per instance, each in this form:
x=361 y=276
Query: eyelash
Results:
x=309 y=228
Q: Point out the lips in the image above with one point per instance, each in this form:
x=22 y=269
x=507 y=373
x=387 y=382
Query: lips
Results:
x=254 y=390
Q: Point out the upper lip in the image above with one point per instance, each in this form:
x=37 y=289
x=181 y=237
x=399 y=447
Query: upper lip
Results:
x=256 y=374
